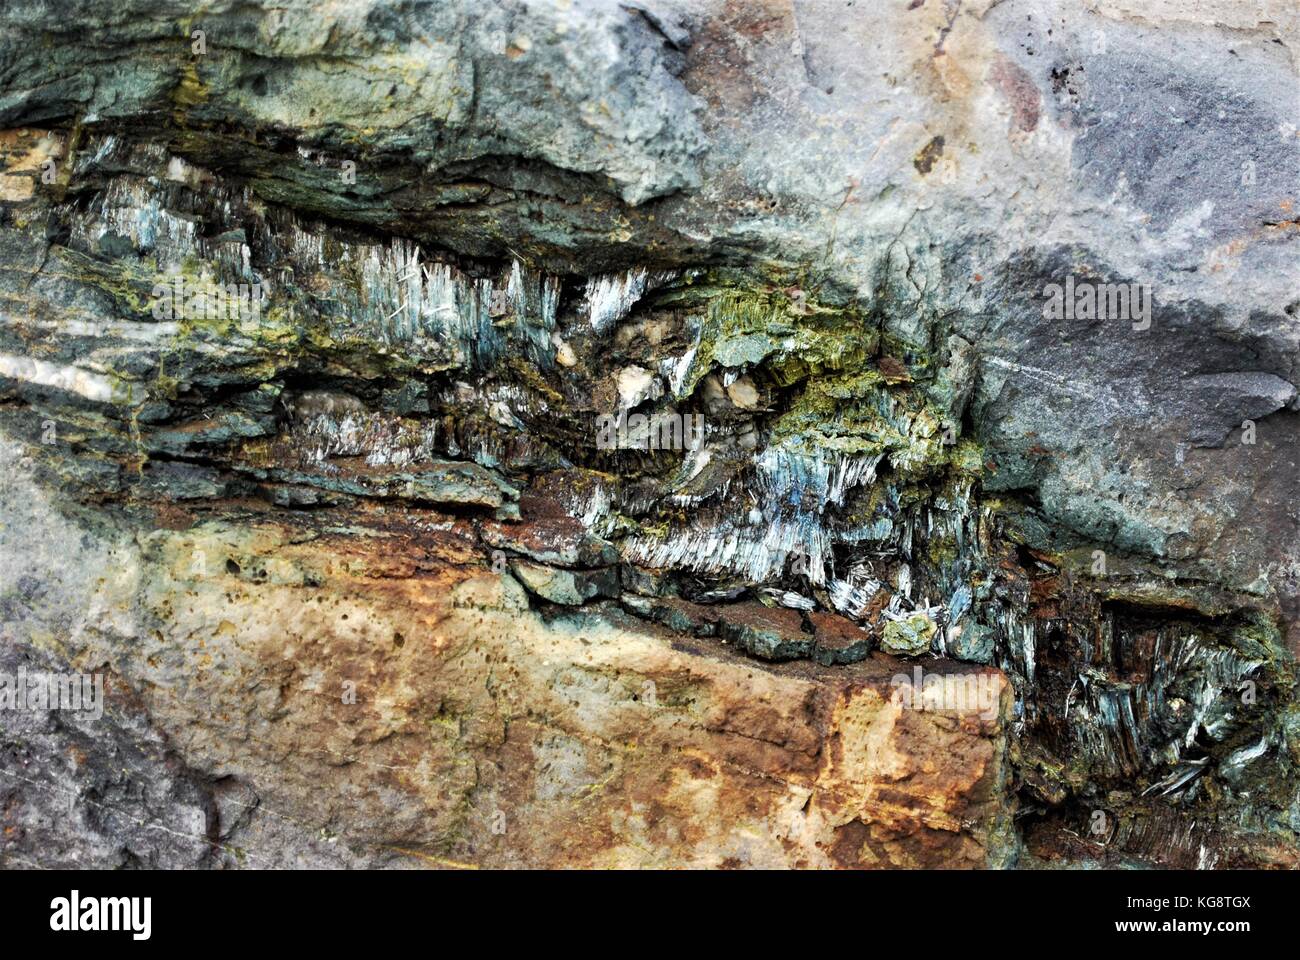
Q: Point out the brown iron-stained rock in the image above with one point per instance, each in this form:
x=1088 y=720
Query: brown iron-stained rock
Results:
x=483 y=736
x=772 y=633
x=838 y=639
x=561 y=541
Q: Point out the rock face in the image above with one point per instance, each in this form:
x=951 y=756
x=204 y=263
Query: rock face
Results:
x=654 y=434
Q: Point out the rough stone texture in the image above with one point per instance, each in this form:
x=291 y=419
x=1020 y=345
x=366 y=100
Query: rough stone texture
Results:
x=479 y=734
x=479 y=227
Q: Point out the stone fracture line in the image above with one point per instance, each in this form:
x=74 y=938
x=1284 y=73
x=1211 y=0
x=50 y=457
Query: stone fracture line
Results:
x=147 y=824
x=312 y=830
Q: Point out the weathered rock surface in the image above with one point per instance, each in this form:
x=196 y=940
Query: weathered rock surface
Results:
x=500 y=432
x=371 y=702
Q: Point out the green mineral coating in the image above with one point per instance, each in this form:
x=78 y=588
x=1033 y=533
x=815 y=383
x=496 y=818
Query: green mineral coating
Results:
x=1259 y=640
x=860 y=416
x=908 y=637
x=128 y=283
x=792 y=337
x=1290 y=729
x=967 y=458
x=941 y=551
